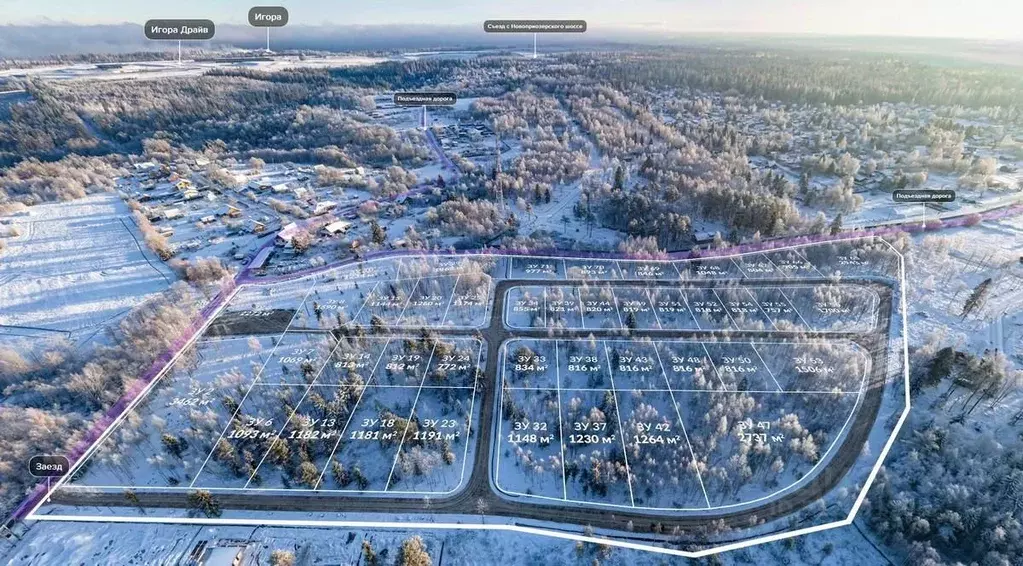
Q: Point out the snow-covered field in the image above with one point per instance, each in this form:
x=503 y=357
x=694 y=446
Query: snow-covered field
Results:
x=75 y=266
x=124 y=544
x=149 y=70
x=945 y=268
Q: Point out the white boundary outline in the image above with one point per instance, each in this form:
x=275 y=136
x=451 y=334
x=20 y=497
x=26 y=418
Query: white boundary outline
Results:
x=328 y=359
x=561 y=421
x=131 y=407
x=806 y=477
x=34 y=515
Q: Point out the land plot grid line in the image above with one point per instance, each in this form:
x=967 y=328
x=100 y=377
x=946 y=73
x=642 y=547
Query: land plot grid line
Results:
x=562 y=388
x=252 y=385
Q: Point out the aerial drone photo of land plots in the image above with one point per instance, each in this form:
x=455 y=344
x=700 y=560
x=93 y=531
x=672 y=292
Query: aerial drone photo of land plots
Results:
x=753 y=301
x=742 y=387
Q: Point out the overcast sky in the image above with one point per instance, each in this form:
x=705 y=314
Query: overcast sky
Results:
x=983 y=19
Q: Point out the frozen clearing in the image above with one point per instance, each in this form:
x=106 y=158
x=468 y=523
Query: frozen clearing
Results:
x=149 y=70
x=991 y=250
x=76 y=265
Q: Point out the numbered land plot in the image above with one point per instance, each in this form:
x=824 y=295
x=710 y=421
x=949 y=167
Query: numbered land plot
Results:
x=743 y=310
x=437 y=265
x=334 y=303
x=262 y=310
x=595 y=462
x=435 y=449
x=836 y=307
x=415 y=267
x=456 y=362
x=364 y=454
x=189 y=406
x=304 y=444
x=562 y=307
x=753 y=446
x=671 y=308
x=385 y=302
x=652 y=270
x=709 y=311
x=429 y=303
x=354 y=360
x=465 y=264
x=634 y=365
x=543 y=307
x=369 y=271
x=740 y=368
x=775 y=304
x=592 y=269
x=530 y=364
x=756 y=266
x=867 y=256
x=855 y=258
x=287 y=295
x=383 y=269
x=299 y=359
x=529 y=456
x=582 y=364
x=791 y=262
x=405 y=362
x=536 y=268
x=250 y=436
x=217 y=361
x=708 y=268
x=448 y=301
x=524 y=307
x=636 y=308
x=688 y=366
x=661 y=462
x=599 y=307
x=817 y=366
x=470 y=301
x=827 y=259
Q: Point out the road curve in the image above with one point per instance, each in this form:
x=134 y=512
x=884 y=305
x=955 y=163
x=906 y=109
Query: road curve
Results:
x=479 y=487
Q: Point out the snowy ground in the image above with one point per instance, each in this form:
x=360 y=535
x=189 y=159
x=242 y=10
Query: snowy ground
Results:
x=75 y=267
x=878 y=207
x=149 y=70
x=943 y=270
x=556 y=395
x=260 y=371
x=186 y=407
x=125 y=544
x=456 y=549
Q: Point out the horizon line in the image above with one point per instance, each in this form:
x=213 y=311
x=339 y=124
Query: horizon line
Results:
x=653 y=30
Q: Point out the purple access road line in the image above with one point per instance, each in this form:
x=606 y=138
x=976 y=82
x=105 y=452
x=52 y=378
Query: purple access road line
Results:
x=130 y=396
x=763 y=245
x=244 y=277
x=436 y=147
x=127 y=400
